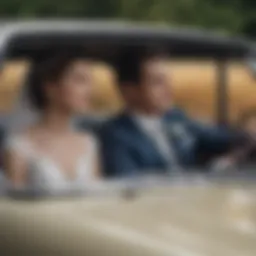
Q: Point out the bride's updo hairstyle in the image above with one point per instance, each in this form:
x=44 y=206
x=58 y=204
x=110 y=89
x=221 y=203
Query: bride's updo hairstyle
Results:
x=48 y=70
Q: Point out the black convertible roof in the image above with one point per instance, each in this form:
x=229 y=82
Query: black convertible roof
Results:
x=34 y=39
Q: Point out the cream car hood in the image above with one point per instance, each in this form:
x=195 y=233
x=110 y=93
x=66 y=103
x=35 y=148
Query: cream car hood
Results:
x=178 y=221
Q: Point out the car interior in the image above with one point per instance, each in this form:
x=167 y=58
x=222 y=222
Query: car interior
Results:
x=36 y=46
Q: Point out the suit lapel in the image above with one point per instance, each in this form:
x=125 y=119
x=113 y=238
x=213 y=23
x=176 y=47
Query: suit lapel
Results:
x=144 y=140
x=179 y=137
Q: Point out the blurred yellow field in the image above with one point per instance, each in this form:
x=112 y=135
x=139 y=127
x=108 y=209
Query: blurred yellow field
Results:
x=193 y=82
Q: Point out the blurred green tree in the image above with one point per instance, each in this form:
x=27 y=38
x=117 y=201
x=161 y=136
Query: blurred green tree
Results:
x=234 y=16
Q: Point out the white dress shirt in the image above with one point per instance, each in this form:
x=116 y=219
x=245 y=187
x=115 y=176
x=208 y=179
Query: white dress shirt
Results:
x=153 y=127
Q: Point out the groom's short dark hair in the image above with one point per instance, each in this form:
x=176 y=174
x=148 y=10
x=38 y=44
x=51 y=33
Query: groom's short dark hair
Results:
x=130 y=62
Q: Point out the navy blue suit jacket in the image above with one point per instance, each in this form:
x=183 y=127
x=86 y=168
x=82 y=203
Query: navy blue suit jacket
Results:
x=127 y=151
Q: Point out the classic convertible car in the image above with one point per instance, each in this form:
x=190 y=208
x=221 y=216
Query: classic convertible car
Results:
x=196 y=215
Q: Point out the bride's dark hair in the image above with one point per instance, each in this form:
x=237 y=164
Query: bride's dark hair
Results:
x=51 y=69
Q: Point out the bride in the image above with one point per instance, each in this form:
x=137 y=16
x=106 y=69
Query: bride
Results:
x=49 y=152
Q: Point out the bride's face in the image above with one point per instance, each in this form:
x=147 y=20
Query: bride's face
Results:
x=74 y=89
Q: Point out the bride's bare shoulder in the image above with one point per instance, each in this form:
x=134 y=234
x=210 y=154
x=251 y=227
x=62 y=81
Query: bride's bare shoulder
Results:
x=18 y=141
x=25 y=134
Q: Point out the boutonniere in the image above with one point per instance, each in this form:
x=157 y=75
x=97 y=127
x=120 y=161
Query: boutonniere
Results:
x=179 y=131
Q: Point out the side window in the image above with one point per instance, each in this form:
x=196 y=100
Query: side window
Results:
x=193 y=81
x=195 y=87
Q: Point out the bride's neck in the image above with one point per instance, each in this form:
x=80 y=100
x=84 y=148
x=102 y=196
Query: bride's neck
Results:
x=56 y=120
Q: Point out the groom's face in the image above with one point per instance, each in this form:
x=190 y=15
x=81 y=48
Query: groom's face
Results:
x=154 y=89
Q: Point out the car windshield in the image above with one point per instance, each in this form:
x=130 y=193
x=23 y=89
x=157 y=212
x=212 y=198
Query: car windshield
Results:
x=193 y=90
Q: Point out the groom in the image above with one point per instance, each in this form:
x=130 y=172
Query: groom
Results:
x=151 y=135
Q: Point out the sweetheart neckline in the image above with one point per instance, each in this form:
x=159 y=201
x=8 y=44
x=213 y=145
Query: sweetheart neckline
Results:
x=50 y=170
x=43 y=157
x=63 y=173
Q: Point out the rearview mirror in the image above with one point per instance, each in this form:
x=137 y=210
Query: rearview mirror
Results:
x=251 y=63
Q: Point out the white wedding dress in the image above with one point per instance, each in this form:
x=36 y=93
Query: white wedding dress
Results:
x=44 y=173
